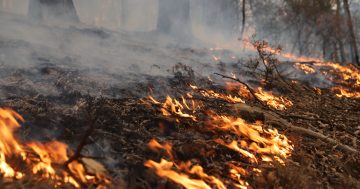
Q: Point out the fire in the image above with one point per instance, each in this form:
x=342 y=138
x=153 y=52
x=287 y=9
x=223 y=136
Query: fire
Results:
x=45 y=160
x=343 y=92
x=173 y=106
x=254 y=142
x=346 y=74
x=291 y=56
x=279 y=103
x=255 y=138
x=241 y=89
x=165 y=169
x=305 y=68
x=183 y=170
x=213 y=94
x=154 y=145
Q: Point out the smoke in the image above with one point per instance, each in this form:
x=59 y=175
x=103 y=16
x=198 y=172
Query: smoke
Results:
x=114 y=44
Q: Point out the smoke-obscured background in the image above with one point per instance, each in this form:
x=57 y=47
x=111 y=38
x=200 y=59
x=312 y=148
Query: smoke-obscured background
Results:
x=306 y=27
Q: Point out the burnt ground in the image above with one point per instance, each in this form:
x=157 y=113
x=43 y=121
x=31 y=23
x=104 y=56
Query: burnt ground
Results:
x=125 y=125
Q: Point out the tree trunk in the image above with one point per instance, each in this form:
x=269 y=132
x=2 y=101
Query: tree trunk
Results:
x=174 y=18
x=243 y=18
x=59 y=10
x=352 y=32
x=338 y=32
x=124 y=13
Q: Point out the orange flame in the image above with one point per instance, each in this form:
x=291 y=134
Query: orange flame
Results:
x=173 y=106
x=345 y=73
x=279 y=103
x=343 y=92
x=262 y=141
x=164 y=169
x=213 y=94
x=154 y=145
x=45 y=160
x=275 y=51
x=305 y=68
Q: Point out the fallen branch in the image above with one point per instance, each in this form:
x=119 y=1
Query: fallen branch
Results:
x=308 y=132
x=252 y=92
x=273 y=118
x=83 y=142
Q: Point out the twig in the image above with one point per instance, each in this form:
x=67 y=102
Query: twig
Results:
x=82 y=143
x=246 y=85
x=311 y=133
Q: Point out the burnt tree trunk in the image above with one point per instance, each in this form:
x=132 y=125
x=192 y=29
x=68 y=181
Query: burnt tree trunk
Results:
x=352 y=32
x=62 y=10
x=174 y=17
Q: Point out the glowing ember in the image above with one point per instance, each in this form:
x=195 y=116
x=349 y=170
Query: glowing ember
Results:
x=44 y=160
x=279 y=103
x=305 y=68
